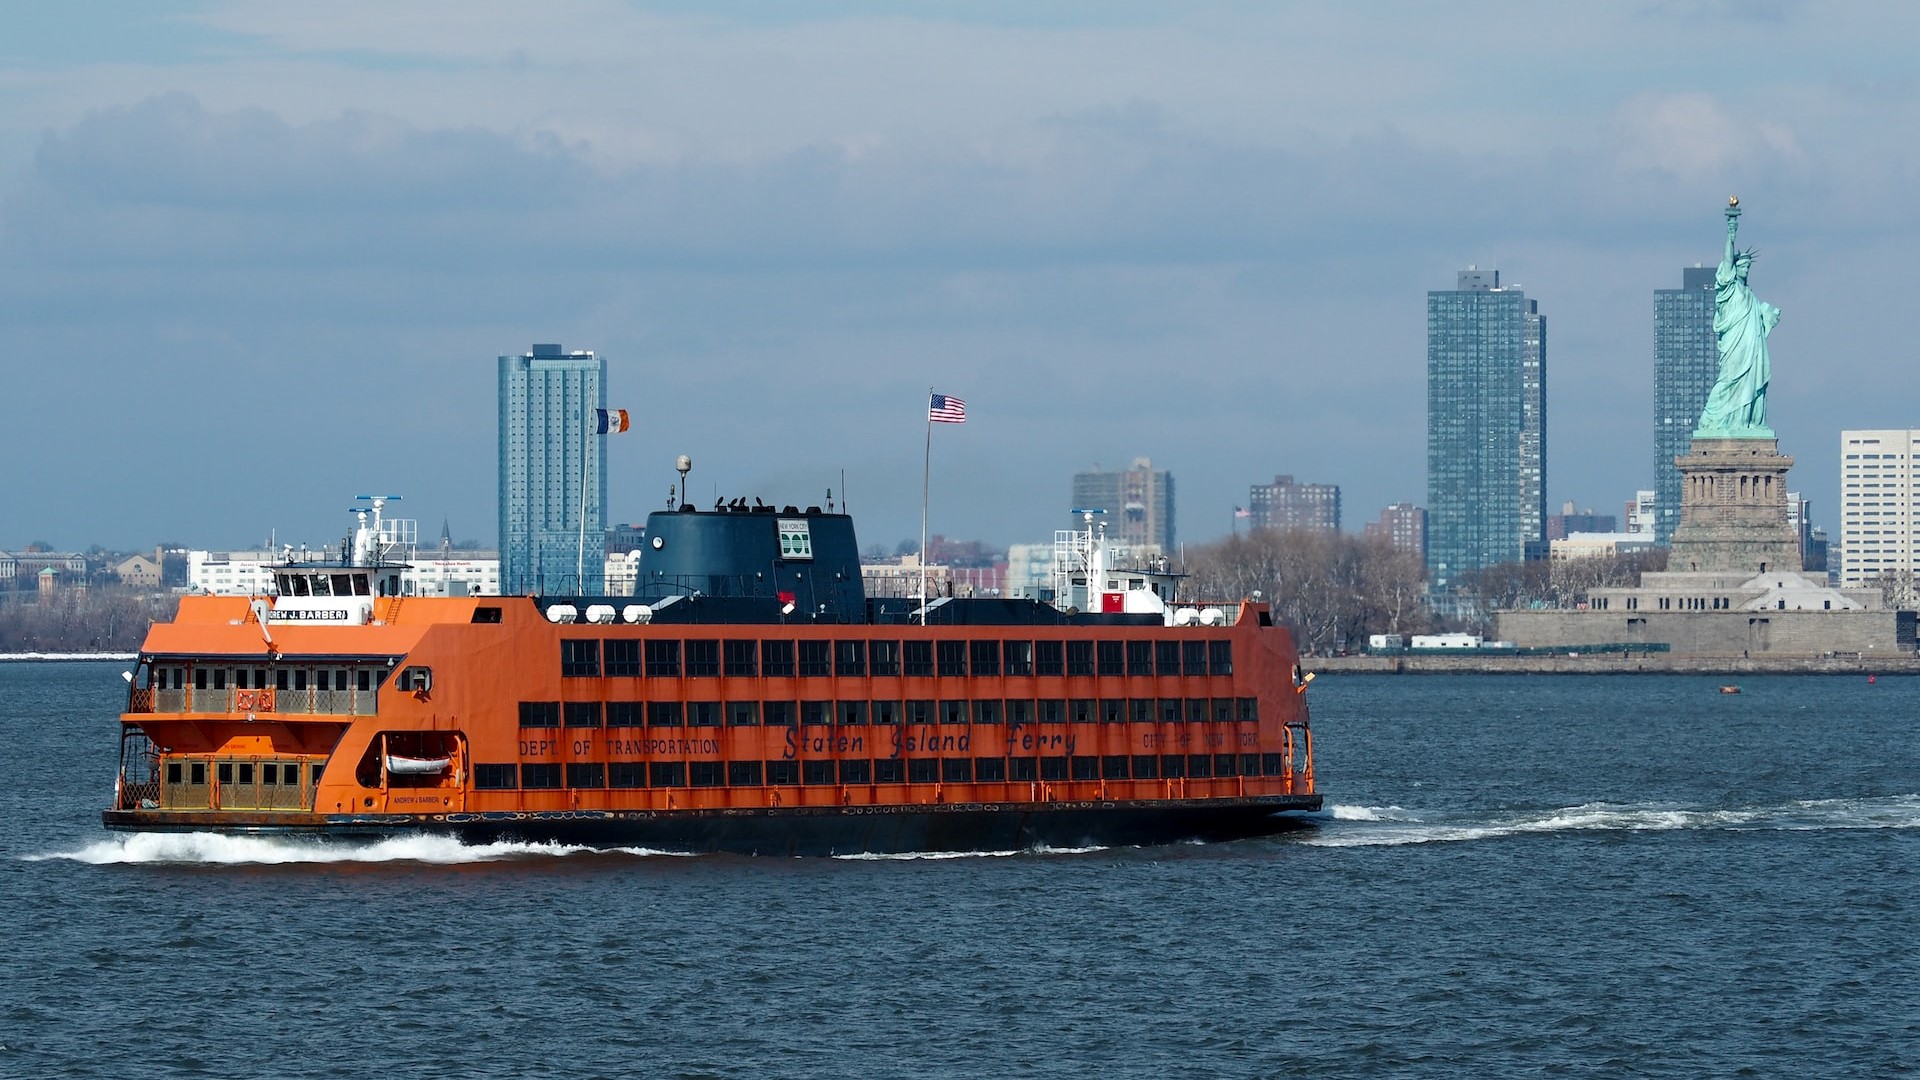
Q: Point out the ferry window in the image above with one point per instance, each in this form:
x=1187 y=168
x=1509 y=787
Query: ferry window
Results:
x=1200 y=766
x=1140 y=710
x=919 y=711
x=1079 y=657
x=300 y=585
x=667 y=774
x=1018 y=656
x=299 y=679
x=663 y=659
x=953 y=658
x=815 y=712
x=198 y=774
x=1139 y=657
x=199 y=678
x=240 y=679
x=539 y=714
x=917 y=657
x=280 y=678
x=318 y=768
x=342 y=585
x=626 y=774
x=703 y=657
x=1085 y=767
x=856 y=772
x=1080 y=711
x=986 y=657
x=486 y=614
x=1112 y=658
x=989 y=770
x=743 y=714
x=582 y=713
x=923 y=770
x=578 y=658
x=1173 y=766
x=703 y=774
x=814 y=658
x=743 y=774
x=1052 y=711
x=1166 y=657
x=1113 y=711
x=703 y=714
x=1145 y=766
x=1193 y=658
x=742 y=659
x=586 y=774
x=816 y=772
x=321 y=681
x=776 y=659
x=1023 y=768
x=778 y=713
x=496 y=776
x=1273 y=764
x=1249 y=764
x=365 y=681
x=956 y=770
x=1019 y=711
x=986 y=712
x=1249 y=709
x=270 y=774
x=1223 y=710
x=623 y=659
x=953 y=712
x=625 y=714
x=1226 y=764
x=1171 y=711
x=1219 y=657
x=886 y=712
x=850 y=658
x=886 y=658
x=1198 y=709
x=852 y=712
x=888 y=771
x=225 y=772
x=173 y=772
x=1053 y=768
x=1113 y=767
x=540 y=775
x=246 y=772
x=781 y=773
x=1048 y=658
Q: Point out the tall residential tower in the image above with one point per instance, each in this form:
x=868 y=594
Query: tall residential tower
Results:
x=1486 y=426
x=1138 y=502
x=1686 y=361
x=553 y=487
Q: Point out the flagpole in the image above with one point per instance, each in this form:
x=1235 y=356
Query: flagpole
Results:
x=926 y=473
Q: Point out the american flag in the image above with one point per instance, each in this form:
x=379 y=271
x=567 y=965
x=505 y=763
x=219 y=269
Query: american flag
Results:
x=944 y=409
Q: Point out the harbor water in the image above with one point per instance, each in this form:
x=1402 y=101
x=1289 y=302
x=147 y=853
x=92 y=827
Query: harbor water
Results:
x=1516 y=875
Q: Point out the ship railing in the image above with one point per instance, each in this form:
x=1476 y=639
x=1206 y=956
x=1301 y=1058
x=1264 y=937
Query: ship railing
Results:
x=332 y=702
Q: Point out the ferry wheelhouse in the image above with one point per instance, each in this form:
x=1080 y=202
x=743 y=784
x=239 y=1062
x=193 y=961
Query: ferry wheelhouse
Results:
x=750 y=697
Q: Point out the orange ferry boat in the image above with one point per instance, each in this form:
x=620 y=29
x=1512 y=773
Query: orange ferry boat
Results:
x=748 y=698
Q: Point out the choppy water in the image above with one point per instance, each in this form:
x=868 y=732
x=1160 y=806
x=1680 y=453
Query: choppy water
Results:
x=1568 y=876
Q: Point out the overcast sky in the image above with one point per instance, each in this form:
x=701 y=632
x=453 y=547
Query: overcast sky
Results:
x=259 y=257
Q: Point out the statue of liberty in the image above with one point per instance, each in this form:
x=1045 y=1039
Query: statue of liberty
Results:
x=1737 y=407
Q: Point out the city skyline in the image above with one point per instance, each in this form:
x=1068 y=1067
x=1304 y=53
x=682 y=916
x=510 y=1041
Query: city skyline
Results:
x=1198 y=234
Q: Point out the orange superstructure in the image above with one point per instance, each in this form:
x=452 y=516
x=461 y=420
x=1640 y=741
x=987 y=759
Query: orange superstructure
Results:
x=511 y=717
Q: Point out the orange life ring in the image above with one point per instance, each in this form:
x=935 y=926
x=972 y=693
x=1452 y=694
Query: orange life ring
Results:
x=245 y=700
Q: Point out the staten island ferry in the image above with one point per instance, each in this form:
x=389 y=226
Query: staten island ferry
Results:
x=749 y=697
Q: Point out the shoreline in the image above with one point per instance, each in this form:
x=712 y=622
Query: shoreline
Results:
x=28 y=657
x=1645 y=663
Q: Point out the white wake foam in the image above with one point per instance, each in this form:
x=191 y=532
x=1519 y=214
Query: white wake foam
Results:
x=217 y=849
x=909 y=856
x=1367 y=826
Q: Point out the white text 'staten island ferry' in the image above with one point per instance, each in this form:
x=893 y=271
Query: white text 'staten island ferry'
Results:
x=749 y=698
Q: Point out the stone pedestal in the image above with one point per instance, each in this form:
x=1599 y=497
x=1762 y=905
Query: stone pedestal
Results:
x=1733 y=509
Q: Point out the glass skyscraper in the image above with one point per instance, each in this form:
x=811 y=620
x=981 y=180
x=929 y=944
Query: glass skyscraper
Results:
x=1486 y=426
x=553 y=487
x=1686 y=361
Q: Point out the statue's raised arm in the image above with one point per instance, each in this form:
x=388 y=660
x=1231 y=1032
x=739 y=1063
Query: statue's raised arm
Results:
x=1737 y=407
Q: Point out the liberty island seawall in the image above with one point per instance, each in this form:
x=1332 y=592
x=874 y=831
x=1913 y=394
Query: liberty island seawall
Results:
x=1585 y=876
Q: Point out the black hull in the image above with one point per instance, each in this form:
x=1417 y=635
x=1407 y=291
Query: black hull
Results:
x=790 y=831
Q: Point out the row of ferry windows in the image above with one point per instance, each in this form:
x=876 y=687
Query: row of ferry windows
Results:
x=271 y=773
x=259 y=678
x=986 y=770
x=1017 y=711
x=668 y=658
